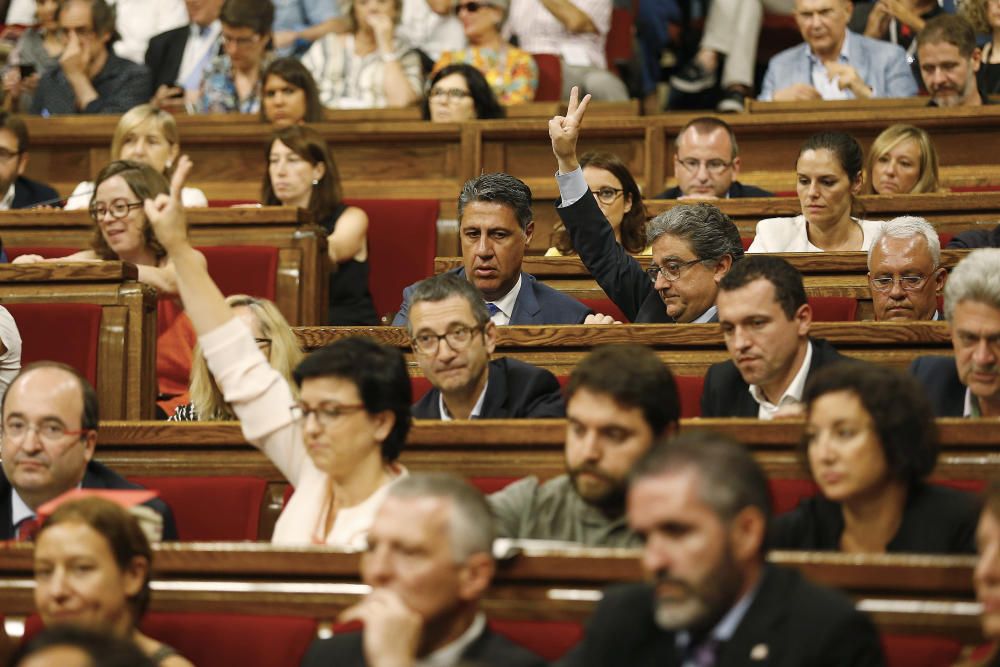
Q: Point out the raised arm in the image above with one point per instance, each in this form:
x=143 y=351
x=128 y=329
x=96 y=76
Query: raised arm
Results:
x=565 y=130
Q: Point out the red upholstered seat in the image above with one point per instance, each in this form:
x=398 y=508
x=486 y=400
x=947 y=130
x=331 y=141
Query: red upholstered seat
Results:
x=549 y=77
x=834 y=308
x=920 y=651
x=606 y=306
x=549 y=639
x=211 y=508
x=43 y=328
x=402 y=242
x=233 y=639
x=786 y=493
x=228 y=203
x=251 y=270
x=689 y=387
x=47 y=253
x=945 y=238
x=618 y=46
x=488 y=485
x=419 y=385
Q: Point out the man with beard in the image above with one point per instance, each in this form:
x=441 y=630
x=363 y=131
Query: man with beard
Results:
x=700 y=505
x=949 y=60
x=620 y=398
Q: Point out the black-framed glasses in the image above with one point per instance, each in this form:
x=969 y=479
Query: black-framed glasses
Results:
x=715 y=166
x=909 y=283
x=118 y=208
x=670 y=270
x=458 y=338
x=472 y=7
x=239 y=42
x=452 y=94
x=607 y=195
x=325 y=413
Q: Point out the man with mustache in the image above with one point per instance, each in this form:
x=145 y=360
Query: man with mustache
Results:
x=765 y=320
x=47 y=441
x=495 y=228
x=949 y=60
x=620 y=398
x=904 y=271
x=968 y=384
x=700 y=504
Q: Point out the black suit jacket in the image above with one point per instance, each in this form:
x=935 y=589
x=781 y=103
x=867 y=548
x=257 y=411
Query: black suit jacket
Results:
x=515 y=390
x=939 y=376
x=164 y=54
x=97 y=476
x=790 y=623
x=28 y=193
x=489 y=650
x=977 y=238
x=736 y=191
x=726 y=394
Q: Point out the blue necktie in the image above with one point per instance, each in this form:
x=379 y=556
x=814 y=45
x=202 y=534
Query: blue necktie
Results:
x=492 y=309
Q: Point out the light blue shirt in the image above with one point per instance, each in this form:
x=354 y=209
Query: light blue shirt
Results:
x=724 y=629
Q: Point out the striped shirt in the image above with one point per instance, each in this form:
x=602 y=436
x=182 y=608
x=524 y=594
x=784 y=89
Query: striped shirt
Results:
x=349 y=81
x=539 y=31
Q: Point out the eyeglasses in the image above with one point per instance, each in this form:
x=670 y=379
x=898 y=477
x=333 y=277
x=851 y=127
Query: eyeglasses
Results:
x=326 y=413
x=119 y=208
x=453 y=94
x=62 y=34
x=49 y=432
x=472 y=7
x=908 y=283
x=239 y=42
x=6 y=155
x=607 y=195
x=670 y=270
x=715 y=166
x=458 y=338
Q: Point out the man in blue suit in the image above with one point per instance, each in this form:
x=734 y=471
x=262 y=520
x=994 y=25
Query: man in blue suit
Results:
x=495 y=226
x=834 y=63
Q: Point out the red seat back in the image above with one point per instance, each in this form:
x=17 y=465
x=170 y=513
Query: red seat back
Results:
x=786 y=493
x=229 y=203
x=250 y=270
x=945 y=238
x=618 y=45
x=47 y=253
x=689 y=388
x=402 y=242
x=549 y=77
x=212 y=509
x=43 y=328
x=419 y=385
x=549 y=639
x=920 y=651
x=834 y=308
x=606 y=306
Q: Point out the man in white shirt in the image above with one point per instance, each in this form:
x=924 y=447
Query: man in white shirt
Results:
x=904 y=271
x=429 y=561
x=765 y=320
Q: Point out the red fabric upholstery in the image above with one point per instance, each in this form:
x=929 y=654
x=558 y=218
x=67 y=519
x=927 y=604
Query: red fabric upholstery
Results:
x=402 y=242
x=211 y=509
x=618 y=46
x=920 y=651
x=234 y=639
x=488 y=485
x=549 y=77
x=228 y=203
x=47 y=253
x=975 y=486
x=945 y=238
x=250 y=270
x=689 y=388
x=834 y=308
x=549 y=639
x=746 y=242
x=419 y=385
x=786 y=493
x=43 y=328
x=606 y=306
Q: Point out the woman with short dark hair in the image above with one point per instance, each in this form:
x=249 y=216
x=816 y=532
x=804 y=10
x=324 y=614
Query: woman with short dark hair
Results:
x=458 y=93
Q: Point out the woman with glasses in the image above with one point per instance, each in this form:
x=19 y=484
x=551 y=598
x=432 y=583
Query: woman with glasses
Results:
x=338 y=444
x=828 y=177
x=511 y=72
x=144 y=134
x=272 y=334
x=902 y=160
x=870 y=443
x=231 y=83
x=620 y=200
x=290 y=95
x=984 y=15
x=458 y=93
x=301 y=173
x=368 y=67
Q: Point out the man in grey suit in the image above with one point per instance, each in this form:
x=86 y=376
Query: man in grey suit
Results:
x=495 y=226
x=833 y=62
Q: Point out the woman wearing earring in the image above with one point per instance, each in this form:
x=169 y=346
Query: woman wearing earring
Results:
x=301 y=173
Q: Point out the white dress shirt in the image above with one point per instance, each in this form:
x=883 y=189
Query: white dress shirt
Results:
x=792 y=395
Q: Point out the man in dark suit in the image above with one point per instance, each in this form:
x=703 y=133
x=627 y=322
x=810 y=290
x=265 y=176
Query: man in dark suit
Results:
x=693 y=246
x=765 y=321
x=700 y=503
x=495 y=228
x=48 y=438
x=16 y=191
x=176 y=58
x=904 y=271
x=453 y=338
x=968 y=384
x=429 y=560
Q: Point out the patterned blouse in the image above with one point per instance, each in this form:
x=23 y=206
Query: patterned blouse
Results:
x=349 y=81
x=218 y=89
x=511 y=72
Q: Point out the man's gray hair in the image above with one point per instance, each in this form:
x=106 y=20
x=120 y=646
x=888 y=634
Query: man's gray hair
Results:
x=709 y=231
x=905 y=227
x=976 y=278
x=500 y=188
x=471 y=520
x=444 y=286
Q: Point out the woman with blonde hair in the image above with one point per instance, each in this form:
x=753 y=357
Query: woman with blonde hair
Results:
x=148 y=135
x=902 y=160
x=275 y=339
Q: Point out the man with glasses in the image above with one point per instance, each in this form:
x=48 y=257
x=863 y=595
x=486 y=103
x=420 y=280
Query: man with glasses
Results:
x=47 y=441
x=17 y=191
x=693 y=246
x=453 y=338
x=90 y=78
x=904 y=271
x=707 y=162
x=968 y=384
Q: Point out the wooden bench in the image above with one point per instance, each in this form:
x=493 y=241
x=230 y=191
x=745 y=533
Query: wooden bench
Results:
x=301 y=283
x=126 y=349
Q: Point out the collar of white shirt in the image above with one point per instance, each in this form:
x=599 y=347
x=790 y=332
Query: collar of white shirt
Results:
x=8 y=199
x=506 y=304
x=707 y=316
x=792 y=395
x=451 y=654
x=477 y=409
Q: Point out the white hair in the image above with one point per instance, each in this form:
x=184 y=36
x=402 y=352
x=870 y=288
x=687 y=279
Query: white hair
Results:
x=976 y=278
x=905 y=227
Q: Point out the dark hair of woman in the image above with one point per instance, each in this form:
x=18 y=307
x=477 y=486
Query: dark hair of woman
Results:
x=483 y=97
